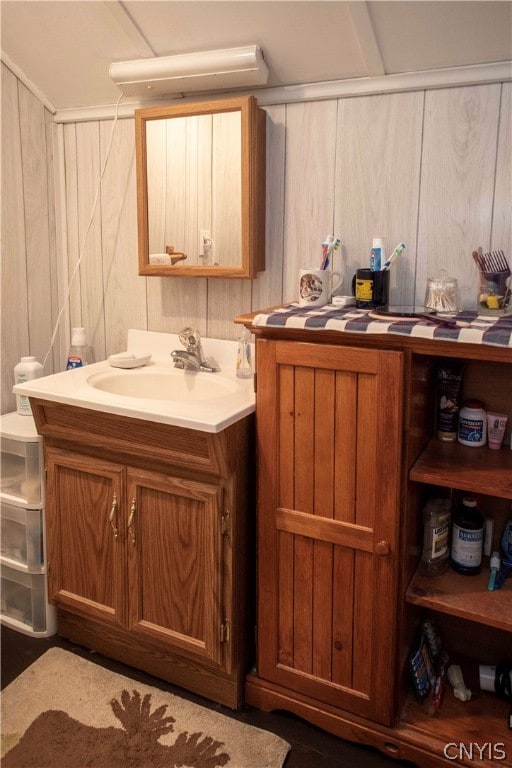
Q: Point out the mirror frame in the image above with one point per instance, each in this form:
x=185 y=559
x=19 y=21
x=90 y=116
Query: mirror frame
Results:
x=253 y=123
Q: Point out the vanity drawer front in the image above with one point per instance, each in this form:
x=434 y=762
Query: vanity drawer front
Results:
x=21 y=475
x=22 y=536
x=24 y=598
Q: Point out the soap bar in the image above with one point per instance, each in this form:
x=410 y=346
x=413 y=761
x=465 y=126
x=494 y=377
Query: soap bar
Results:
x=128 y=360
x=343 y=301
x=122 y=356
x=159 y=258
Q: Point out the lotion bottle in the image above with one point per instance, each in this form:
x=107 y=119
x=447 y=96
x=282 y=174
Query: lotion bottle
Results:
x=28 y=368
x=79 y=353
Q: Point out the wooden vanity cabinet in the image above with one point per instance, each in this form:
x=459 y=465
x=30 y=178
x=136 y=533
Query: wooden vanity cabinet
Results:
x=347 y=458
x=149 y=565
x=138 y=549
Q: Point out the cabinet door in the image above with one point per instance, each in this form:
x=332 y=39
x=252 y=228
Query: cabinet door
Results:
x=85 y=536
x=329 y=428
x=175 y=563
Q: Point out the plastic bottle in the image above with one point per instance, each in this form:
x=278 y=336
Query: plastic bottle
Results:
x=243 y=359
x=79 y=353
x=436 y=526
x=472 y=424
x=467 y=537
x=448 y=388
x=506 y=540
x=28 y=368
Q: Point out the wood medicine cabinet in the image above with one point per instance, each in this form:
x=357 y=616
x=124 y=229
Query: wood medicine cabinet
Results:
x=201 y=189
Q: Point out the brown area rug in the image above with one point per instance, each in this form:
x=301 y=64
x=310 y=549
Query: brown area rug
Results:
x=67 y=712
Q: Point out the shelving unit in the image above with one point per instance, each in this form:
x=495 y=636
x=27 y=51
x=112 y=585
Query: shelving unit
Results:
x=475 y=624
x=24 y=595
x=482 y=471
x=465 y=597
x=481 y=720
x=451 y=465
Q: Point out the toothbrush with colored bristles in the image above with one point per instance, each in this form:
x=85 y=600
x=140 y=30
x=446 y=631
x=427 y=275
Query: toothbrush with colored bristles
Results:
x=328 y=246
x=394 y=256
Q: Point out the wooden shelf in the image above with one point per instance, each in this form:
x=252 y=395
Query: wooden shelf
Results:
x=451 y=465
x=483 y=719
x=464 y=596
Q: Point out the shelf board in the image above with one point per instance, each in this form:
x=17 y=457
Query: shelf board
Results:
x=451 y=465
x=464 y=596
x=457 y=722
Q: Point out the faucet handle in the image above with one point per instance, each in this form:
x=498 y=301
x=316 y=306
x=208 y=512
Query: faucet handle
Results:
x=190 y=338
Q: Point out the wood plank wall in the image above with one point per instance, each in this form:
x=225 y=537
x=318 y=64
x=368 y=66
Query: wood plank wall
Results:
x=431 y=168
x=29 y=285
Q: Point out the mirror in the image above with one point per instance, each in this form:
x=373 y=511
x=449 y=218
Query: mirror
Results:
x=201 y=189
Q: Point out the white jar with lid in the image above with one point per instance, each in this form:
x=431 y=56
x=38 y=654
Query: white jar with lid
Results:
x=472 y=424
x=28 y=368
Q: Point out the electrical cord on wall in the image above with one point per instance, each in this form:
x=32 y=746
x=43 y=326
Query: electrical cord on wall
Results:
x=82 y=249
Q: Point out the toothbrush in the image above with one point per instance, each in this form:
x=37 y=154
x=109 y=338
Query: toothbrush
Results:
x=495 y=564
x=328 y=246
x=394 y=256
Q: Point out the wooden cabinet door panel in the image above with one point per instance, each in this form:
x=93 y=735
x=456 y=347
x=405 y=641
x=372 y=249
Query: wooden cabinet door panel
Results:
x=329 y=430
x=175 y=562
x=85 y=554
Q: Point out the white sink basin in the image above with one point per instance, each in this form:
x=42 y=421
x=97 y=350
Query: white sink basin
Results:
x=163 y=385
x=158 y=391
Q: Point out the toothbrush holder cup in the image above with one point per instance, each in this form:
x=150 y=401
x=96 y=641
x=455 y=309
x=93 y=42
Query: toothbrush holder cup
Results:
x=316 y=286
x=371 y=288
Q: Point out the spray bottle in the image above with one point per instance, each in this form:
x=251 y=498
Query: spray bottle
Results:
x=243 y=360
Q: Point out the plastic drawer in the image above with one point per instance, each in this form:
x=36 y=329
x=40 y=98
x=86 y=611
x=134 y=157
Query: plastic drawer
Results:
x=22 y=536
x=24 y=603
x=21 y=471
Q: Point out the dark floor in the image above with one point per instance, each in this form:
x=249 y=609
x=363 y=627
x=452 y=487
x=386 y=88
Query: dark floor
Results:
x=310 y=746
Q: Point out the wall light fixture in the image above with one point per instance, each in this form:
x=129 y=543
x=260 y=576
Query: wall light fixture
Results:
x=209 y=70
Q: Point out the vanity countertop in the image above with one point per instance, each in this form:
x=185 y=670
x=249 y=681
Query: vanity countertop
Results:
x=232 y=398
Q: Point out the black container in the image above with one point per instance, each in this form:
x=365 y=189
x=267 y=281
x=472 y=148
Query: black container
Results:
x=370 y=288
x=467 y=537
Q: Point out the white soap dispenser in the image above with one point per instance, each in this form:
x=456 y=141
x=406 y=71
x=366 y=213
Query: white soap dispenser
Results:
x=79 y=353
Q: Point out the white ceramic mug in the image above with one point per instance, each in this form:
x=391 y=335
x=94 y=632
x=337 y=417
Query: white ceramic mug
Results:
x=315 y=286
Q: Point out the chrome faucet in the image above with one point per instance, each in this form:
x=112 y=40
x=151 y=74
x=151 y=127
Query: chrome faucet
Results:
x=192 y=357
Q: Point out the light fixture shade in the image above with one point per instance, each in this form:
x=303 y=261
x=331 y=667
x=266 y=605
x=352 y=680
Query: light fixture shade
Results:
x=209 y=70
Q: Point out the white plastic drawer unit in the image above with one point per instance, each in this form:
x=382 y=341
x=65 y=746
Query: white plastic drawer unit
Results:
x=21 y=470
x=23 y=601
x=21 y=541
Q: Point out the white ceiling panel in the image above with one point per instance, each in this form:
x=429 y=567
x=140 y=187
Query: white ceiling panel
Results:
x=64 y=47
x=302 y=41
x=431 y=35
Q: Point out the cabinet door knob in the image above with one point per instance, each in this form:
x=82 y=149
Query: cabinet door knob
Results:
x=113 y=516
x=382 y=548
